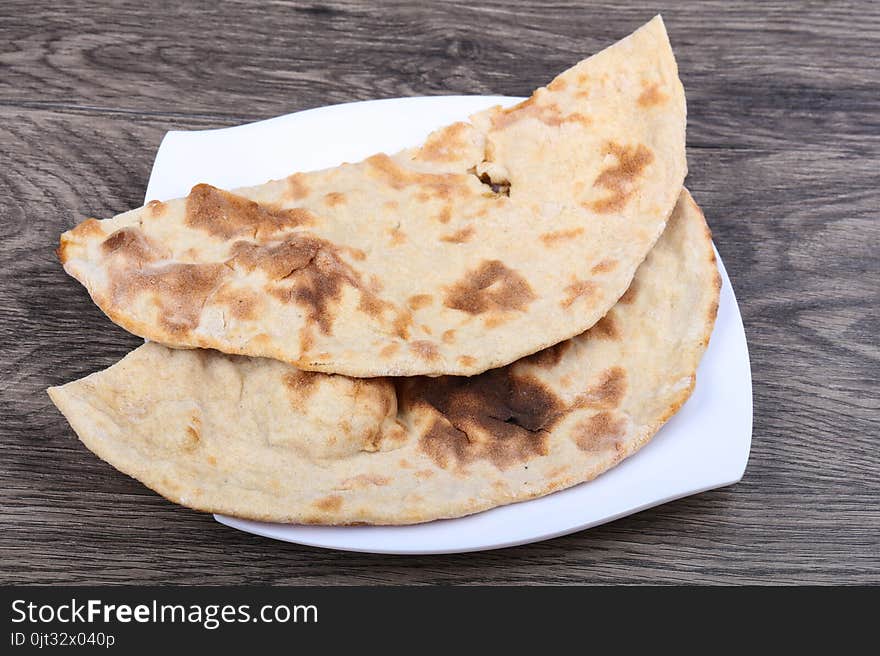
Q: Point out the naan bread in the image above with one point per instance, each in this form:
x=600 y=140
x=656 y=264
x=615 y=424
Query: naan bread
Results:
x=494 y=239
x=258 y=438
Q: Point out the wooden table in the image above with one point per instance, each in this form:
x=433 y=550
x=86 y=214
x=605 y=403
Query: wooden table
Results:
x=784 y=151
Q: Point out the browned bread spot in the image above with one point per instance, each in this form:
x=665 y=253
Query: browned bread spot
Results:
x=600 y=432
x=576 y=290
x=604 y=266
x=225 y=215
x=425 y=349
x=297 y=187
x=306 y=340
x=556 y=236
x=446 y=145
x=243 y=304
x=651 y=96
x=364 y=480
x=629 y=296
x=550 y=356
x=277 y=261
x=418 y=301
x=331 y=503
x=448 y=336
x=316 y=294
x=388 y=350
x=61 y=252
x=445 y=215
x=549 y=114
x=605 y=328
x=608 y=393
x=310 y=272
x=359 y=255
x=495 y=416
x=156 y=207
x=398 y=236
x=178 y=290
x=459 y=236
x=446 y=445
x=88 y=228
x=193 y=438
x=371 y=304
x=491 y=286
x=133 y=246
x=619 y=178
x=436 y=185
x=467 y=361
x=301 y=384
x=335 y=198
x=81 y=231
x=494 y=320
x=557 y=471
x=402 y=324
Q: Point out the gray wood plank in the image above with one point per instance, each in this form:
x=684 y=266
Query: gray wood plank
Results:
x=784 y=151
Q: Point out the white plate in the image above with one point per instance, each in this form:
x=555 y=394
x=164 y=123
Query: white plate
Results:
x=705 y=446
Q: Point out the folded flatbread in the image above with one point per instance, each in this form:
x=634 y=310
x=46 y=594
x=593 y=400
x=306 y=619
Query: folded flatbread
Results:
x=257 y=438
x=494 y=239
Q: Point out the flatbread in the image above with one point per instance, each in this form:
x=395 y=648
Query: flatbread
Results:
x=494 y=239
x=260 y=439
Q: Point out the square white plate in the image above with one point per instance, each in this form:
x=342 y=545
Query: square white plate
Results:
x=704 y=446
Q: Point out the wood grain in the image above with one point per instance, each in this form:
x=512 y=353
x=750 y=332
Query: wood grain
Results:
x=784 y=151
